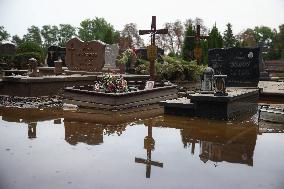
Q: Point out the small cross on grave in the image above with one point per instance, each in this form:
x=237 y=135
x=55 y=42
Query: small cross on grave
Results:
x=198 y=49
x=149 y=145
x=152 y=49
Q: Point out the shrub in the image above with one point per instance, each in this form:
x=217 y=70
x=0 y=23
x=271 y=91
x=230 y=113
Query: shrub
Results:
x=29 y=47
x=9 y=59
x=173 y=69
x=26 y=51
x=21 y=59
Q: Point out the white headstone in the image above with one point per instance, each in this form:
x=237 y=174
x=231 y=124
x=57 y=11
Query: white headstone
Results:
x=111 y=53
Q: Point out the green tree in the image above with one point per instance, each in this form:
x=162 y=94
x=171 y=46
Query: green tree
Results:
x=280 y=37
x=96 y=29
x=228 y=37
x=3 y=34
x=65 y=33
x=279 y=42
x=265 y=38
x=215 y=38
x=188 y=43
x=33 y=35
x=50 y=35
x=26 y=51
x=17 y=40
x=247 y=38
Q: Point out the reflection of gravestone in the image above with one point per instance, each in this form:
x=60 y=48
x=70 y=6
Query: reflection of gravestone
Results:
x=111 y=53
x=241 y=65
x=85 y=56
x=54 y=53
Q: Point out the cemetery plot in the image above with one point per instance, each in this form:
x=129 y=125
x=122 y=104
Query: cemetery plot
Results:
x=241 y=65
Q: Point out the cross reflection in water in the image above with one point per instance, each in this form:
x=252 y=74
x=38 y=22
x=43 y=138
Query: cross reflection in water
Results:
x=149 y=145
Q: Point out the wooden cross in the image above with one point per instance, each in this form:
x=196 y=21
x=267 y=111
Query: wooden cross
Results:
x=153 y=32
x=197 y=37
x=149 y=143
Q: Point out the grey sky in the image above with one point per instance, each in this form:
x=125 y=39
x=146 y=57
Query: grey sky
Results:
x=17 y=15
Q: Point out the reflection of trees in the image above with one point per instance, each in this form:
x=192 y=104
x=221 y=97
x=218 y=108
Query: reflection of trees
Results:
x=223 y=143
x=91 y=134
x=109 y=130
x=218 y=140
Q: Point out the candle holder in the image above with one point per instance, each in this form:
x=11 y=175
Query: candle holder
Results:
x=220 y=85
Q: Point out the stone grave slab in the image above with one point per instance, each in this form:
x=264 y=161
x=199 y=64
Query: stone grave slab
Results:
x=241 y=65
x=85 y=56
x=111 y=53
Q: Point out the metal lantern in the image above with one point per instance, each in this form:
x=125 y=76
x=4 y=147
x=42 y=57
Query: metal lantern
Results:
x=208 y=80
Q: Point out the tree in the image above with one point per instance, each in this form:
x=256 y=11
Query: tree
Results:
x=50 y=35
x=65 y=33
x=228 y=37
x=130 y=33
x=96 y=29
x=188 y=43
x=215 y=38
x=265 y=38
x=17 y=40
x=3 y=34
x=279 y=42
x=196 y=21
x=172 y=42
x=33 y=35
x=280 y=37
x=26 y=51
x=247 y=38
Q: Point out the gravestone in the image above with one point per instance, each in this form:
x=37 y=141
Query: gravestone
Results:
x=7 y=49
x=85 y=56
x=241 y=65
x=54 y=53
x=111 y=53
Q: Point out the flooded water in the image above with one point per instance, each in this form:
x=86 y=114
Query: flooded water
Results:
x=44 y=149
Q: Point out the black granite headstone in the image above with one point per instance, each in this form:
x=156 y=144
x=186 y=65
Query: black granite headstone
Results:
x=241 y=65
x=53 y=53
x=7 y=49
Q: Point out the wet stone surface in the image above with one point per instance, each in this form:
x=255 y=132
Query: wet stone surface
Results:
x=30 y=102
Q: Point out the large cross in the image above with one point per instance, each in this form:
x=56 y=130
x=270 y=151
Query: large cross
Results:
x=197 y=37
x=153 y=32
x=149 y=143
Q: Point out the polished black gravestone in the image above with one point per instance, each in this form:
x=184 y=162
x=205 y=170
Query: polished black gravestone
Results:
x=241 y=65
x=54 y=53
x=236 y=104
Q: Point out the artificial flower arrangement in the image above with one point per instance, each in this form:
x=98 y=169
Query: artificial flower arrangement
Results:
x=111 y=84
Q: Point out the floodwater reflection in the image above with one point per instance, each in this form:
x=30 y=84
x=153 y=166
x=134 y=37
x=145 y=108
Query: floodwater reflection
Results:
x=128 y=149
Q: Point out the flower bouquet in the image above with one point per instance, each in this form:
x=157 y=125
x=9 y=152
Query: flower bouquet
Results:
x=111 y=84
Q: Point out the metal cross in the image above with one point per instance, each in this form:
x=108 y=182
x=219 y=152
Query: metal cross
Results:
x=153 y=32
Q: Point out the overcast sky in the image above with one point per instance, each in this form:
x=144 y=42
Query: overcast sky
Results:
x=17 y=15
